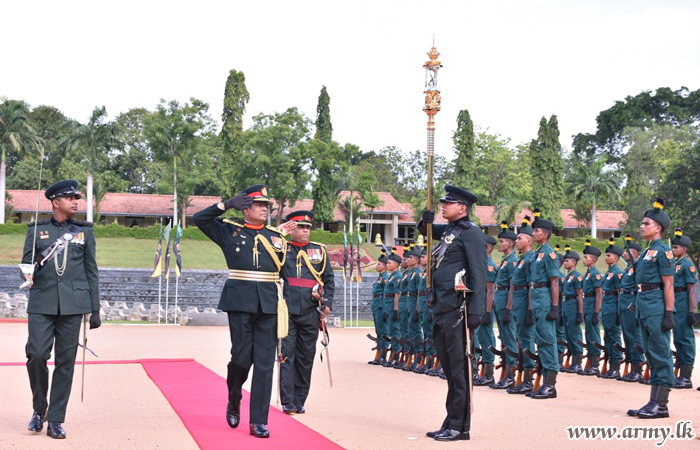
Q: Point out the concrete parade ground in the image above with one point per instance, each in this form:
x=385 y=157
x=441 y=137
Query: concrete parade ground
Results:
x=368 y=407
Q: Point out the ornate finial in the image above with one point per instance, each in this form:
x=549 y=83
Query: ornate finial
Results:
x=378 y=240
x=421 y=240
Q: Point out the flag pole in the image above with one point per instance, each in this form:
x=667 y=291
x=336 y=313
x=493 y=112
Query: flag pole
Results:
x=345 y=281
x=160 y=276
x=351 y=202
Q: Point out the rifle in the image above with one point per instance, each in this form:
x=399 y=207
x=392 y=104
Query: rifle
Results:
x=567 y=353
x=538 y=367
x=605 y=357
x=625 y=361
x=502 y=364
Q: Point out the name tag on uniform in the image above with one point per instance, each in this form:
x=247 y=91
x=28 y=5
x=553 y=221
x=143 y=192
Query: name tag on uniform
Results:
x=43 y=235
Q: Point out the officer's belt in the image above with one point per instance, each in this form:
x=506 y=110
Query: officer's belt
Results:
x=421 y=293
x=649 y=287
x=589 y=295
x=627 y=292
x=680 y=289
x=610 y=293
x=412 y=294
x=377 y=295
x=519 y=288
x=539 y=285
x=389 y=295
x=570 y=297
x=403 y=294
x=253 y=275
x=500 y=287
x=301 y=282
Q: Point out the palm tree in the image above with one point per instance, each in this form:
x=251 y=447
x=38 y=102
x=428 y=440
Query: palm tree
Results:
x=372 y=201
x=17 y=134
x=589 y=181
x=92 y=140
x=508 y=209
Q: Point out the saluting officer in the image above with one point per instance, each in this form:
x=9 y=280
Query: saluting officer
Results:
x=506 y=328
x=592 y=301
x=572 y=307
x=484 y=334
x=254 y=254
x=309 y=292
x=65 y=287
x=610 y=309
x=684 y=279
x=461 y=248
x=380 y=324
x=628 y=320
x=391 y=306
x=654 y=273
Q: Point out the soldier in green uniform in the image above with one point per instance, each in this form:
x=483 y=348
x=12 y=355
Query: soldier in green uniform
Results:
x=592 y=301
x=460 y=254
x=544 y=295
x=426 y=314
x=610 y=309
x=506 y=327
x=404 y=315
x=254 y=254
x=63 y=291
x=309 y=293
x=518 y=301
x=684 y=279
x=391 y=305
x=654 y=274
x=380 y=325
x=628 y=320
x=561 y=334
x=414 y=329
x=484 y=334
x=572 y=307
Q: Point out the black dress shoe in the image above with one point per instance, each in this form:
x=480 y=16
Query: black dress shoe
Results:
x=654 y=411
x=452 y=435
x=683 y=383
x=37 y=422
x=522 y=388
x=55 y=430
x=289 y=408
x=233 y=415
x=432 y=434
x=635 y=412
x=611 y=374
x=505 y=383
x=258 y=430
x=545 y=391
x=300 y=409
x=484 y=381
x=593 y=370
x=632 y=377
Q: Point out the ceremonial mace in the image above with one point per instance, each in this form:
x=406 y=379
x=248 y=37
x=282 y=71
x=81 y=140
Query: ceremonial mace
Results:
x=28 y=269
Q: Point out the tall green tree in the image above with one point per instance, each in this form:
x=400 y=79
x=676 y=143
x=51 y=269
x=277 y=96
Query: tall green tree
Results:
x=17 y=135
x=134 y=163
x=324 y=127
x=547 y=170
x=328 y=164
x=236 y=98
x=91 y=142
x=591 y=182
x=465 y=164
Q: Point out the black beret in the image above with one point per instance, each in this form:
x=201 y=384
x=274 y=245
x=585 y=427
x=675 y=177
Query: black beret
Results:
x=383 y=258
x=506 y=233
x=612 y=248
x=680 y=239
x=394 y=257
x=490 y=240
x=591 y=250
x=658 y=215
x=632 y=245
x=542 y=223
x=302 y=217
x=525 y=227
x=258 y=192
x=64 y=188
x=454 y=194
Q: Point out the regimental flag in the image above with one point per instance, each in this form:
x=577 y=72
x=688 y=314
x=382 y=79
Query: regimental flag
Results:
x=345 y=253
x=157 y=265
x=168 y=229
x=176 y=250
x=351 y=256
x=359 y=246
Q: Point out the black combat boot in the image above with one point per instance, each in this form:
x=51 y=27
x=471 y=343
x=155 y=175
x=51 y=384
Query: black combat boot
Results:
x=683 y=381
x=506 y=382
x=487 y=378
x=635 y=373
x=525 y=386
x=436 y=372
x=375 y=361
x=614 y=371
x=547 y=390
x=657 y=409
x=593 y=367
x=426 y=366
x=652 y=399
x=561 y=362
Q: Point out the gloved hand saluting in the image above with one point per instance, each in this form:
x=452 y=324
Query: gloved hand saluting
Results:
x=239 y=202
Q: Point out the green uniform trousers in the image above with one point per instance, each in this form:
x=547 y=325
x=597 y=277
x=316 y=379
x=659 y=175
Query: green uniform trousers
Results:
x=62 y=333
x=414 y=328
x=612 y=335
x=545 y=330
x=483 y=339
x=525 y=333
x=657 y=349
x=507 y=335
x=404 y=318
x=572 y=329
x=426 y=323
x=561 y=332
x=630 y=329
x=592 y=331
x=683 y=337
x=380 y=327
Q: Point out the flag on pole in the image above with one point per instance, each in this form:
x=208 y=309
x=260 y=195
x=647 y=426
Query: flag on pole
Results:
x=167 y=251
x=352 y=255
x=157 y=265
x=176 y=250
x=359 y=243
x=345 y=253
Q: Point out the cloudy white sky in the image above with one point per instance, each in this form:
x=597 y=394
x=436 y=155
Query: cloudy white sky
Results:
x=507 y=62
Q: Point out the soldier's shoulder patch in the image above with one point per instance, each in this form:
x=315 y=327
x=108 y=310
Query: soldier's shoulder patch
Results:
x=553 y=255
x=597 y=276
x=231 y=222
x=82 y=223
x=40 y=222
x=580 y=278
x=692 y=268
x=514 y=263
x=490 y=268
x=619 y=275
x=669 y=254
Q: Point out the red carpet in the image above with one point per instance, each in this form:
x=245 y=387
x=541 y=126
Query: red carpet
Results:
x=199 y=397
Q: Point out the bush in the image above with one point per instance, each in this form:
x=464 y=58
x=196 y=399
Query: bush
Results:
x=13 y=228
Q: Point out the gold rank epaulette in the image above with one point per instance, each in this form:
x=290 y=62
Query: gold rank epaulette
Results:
x=231 y=222
x=318 y=243
x=276 y=230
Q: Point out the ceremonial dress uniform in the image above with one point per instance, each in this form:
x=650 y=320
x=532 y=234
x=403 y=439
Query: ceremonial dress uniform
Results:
x=628 y=320
x=484 y=337
x=414 y=328
x=559 y=325
x=684 y=279
x=573 y=316
x=611 y=315
x=525 y=332
x=254 y=255
x=391 y=315
x=306 y=268
x=380 y=324
x=591 y=280
x=65 y=287
x=426 y=313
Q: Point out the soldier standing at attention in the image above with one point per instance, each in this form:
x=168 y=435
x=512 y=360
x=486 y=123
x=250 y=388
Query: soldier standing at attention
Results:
x=255 y=255
x=380 y=324
x=404 y=315
x=561 y=334
x=484 y=334
x=610 y=309
x=426 y=314
x=518 y=301
x=462 y=249
x=414 y=329
x=309 y=293
x=63 y=291
x=592 y=301
x=572 y=297
x=391 y=306
x=628 y=319
x=684 y=278
x=506 y=328
x=544 y=294
x=654 y=273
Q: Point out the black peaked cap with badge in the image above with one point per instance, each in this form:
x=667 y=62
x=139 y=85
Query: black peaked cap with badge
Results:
x=658 y=215
x=64 y=188
x=454 y=194
x=614 y=249
x=680 y=239
x=258 y=193
x=301 y=217
x=590 y=249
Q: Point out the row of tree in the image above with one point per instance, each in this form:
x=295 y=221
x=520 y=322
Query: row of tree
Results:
x=641 y=149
